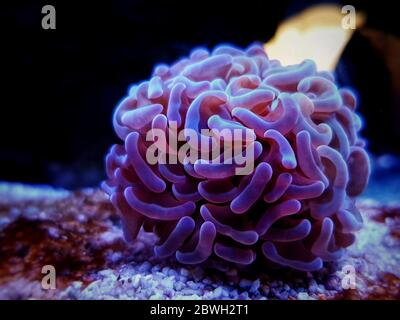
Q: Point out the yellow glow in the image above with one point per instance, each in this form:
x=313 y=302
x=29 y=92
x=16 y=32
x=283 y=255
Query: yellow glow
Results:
x=315 y=33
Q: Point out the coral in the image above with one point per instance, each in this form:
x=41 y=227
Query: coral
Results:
x=296 y=208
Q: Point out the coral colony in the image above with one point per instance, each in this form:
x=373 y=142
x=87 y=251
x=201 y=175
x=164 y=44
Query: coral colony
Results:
x=230 y=157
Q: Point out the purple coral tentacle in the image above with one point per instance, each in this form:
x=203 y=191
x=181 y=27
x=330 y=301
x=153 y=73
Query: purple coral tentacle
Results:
x=204 y=246
x=253 y=190
x=247 y=237
x=176 y=238
x=233 y=254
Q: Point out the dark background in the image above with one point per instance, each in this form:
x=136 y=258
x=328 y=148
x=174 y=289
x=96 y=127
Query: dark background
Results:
x=59 y=87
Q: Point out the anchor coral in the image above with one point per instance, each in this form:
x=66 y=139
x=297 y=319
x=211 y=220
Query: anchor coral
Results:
x=296 y=208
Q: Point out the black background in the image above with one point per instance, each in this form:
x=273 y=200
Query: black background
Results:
x=59 y=87
x=140 y=309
